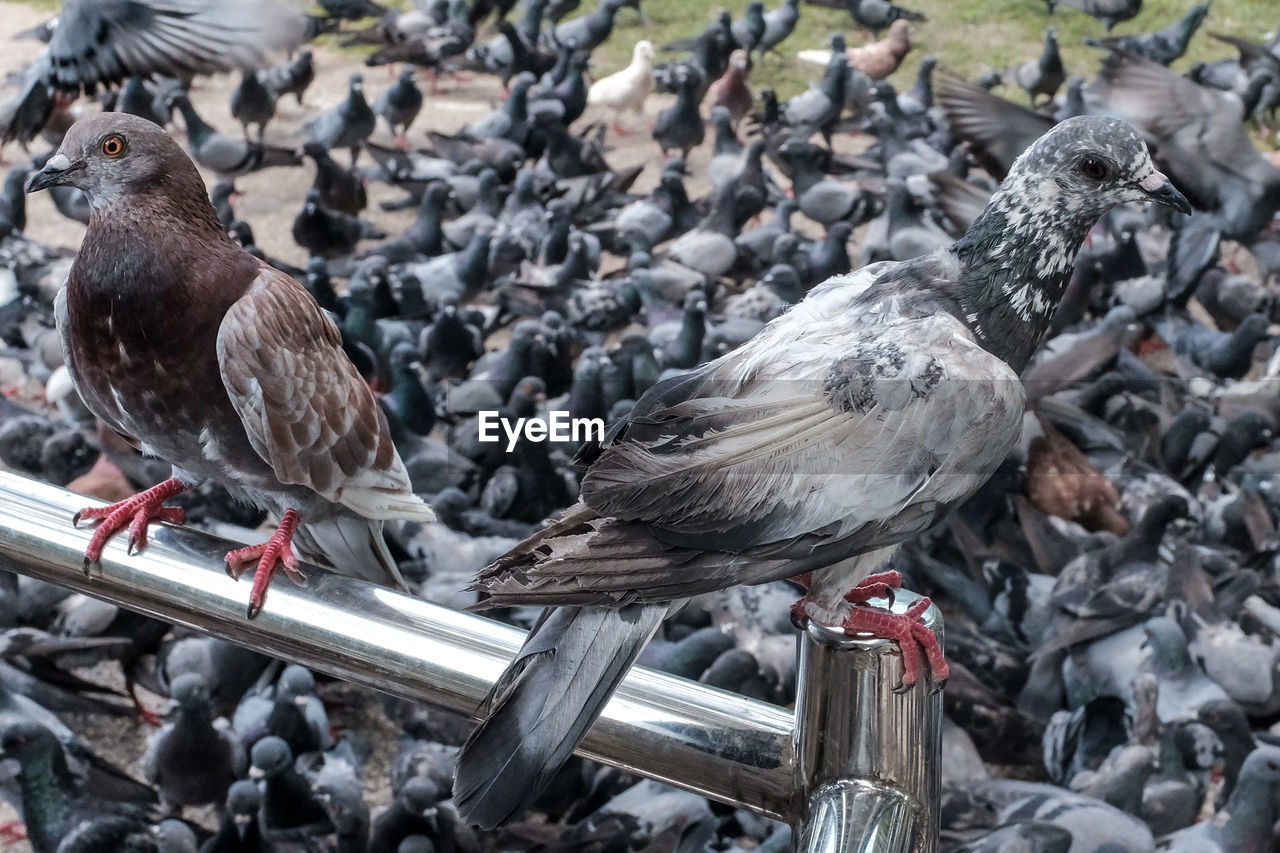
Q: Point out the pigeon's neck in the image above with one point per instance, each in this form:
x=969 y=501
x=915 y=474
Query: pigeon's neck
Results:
x=46 y=785
x=164 y=204
x=197 y=129
x=1017 y=258
x=1249 y=815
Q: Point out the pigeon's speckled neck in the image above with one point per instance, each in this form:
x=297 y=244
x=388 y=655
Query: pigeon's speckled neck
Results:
x=1017 y=257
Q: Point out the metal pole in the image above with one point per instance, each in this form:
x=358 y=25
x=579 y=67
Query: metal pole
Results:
x=677 y=731
x=859 y=772
x=867 y=758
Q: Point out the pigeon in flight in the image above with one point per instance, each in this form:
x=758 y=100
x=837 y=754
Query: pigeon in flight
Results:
x=846 y=426
x=102 y=42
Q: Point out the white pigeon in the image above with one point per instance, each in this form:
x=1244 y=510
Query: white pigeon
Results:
x=628 y=88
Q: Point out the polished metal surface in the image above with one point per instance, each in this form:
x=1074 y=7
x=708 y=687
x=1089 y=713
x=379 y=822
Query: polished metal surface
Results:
x=858 y=816
x=859 y=771
x=852 y=725
x=715 y=743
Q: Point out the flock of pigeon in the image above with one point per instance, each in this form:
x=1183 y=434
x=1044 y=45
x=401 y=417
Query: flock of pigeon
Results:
x=1111 y=591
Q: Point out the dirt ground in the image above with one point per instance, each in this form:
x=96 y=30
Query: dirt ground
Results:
x=271 y=198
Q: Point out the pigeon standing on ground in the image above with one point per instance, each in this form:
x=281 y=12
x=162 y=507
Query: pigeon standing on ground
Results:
x=400 y=105
x=1109 y=12
x=253 y=103
x=193 y=759
x=1163 y=46
x=906 y=373
x=218 y=364
x=292 y=77
x=1042 y=76
x=348 y=124
x=874 y=15
x=626 y=90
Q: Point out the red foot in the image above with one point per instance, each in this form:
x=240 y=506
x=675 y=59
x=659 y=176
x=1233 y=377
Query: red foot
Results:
x=907 y=630
x=143 y=508
x=879 y=585
x=402 y=142
x=276 y=550
x=617 y=129
x=13 y=831
x=146 y=716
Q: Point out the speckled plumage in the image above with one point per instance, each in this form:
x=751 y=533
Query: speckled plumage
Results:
x=845 y=427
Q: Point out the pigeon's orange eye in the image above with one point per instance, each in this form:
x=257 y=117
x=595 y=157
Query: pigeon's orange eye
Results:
x=113 y=145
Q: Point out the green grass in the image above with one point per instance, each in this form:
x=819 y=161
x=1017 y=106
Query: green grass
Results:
x=968 y=36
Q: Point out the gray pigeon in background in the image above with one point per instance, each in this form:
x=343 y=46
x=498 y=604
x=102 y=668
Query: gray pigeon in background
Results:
x=266 y=402
x=348 y=124
x=931 y=346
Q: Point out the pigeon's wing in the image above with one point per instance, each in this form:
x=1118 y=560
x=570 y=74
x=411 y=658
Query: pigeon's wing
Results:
x=151 y=755
x=225 y=154
x=791 y=447
x=306 y=410
x=104 y=41
x=997 y=130
x=239 y=758
x=1198 y=132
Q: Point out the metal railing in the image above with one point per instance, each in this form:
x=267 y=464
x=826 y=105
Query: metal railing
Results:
x=854 y=768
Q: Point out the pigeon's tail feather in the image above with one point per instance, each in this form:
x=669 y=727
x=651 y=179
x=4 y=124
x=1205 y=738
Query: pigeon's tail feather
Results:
x=544 y=703
x=352 y=545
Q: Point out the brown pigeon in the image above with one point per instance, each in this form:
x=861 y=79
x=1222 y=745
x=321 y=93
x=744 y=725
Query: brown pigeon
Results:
x=732 y=90
x=217 y=363
x=881 y=58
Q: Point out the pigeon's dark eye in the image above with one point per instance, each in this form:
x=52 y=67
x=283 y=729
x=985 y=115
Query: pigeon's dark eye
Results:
x=113 y=145
x=1093 y=168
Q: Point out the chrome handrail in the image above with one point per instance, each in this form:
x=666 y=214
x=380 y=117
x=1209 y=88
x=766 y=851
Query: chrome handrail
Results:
x=853 y=753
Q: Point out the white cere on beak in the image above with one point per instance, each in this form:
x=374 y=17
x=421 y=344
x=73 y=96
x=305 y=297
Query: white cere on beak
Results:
x=58 y=163
x=1152 y=182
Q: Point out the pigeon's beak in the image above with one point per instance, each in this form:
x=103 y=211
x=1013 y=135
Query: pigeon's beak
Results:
x=241 y=822
x=54 y=173
x=1157 y=188
x=257 y=773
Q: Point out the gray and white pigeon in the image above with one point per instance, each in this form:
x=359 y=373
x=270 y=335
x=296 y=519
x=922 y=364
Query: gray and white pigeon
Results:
x=846 y=426
x=348 y=124
x=217 y=363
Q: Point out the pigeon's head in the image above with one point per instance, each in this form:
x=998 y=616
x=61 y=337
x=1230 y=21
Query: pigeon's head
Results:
x=356 y=82
x=1087 y=165
x=190 y=692
x=643 y=51
x=1263 y=764
x=243 y=801
x=739 y=61
x=270 y=756
x=23 y=739
x=296 y=681
x=111 y=155
x=420 y=794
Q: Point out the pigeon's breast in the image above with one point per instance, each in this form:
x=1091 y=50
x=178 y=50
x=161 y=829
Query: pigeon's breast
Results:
x=141 y=327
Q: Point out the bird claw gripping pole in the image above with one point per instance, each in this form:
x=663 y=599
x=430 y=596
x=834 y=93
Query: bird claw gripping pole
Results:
x=854 y=768
x=867 y=754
